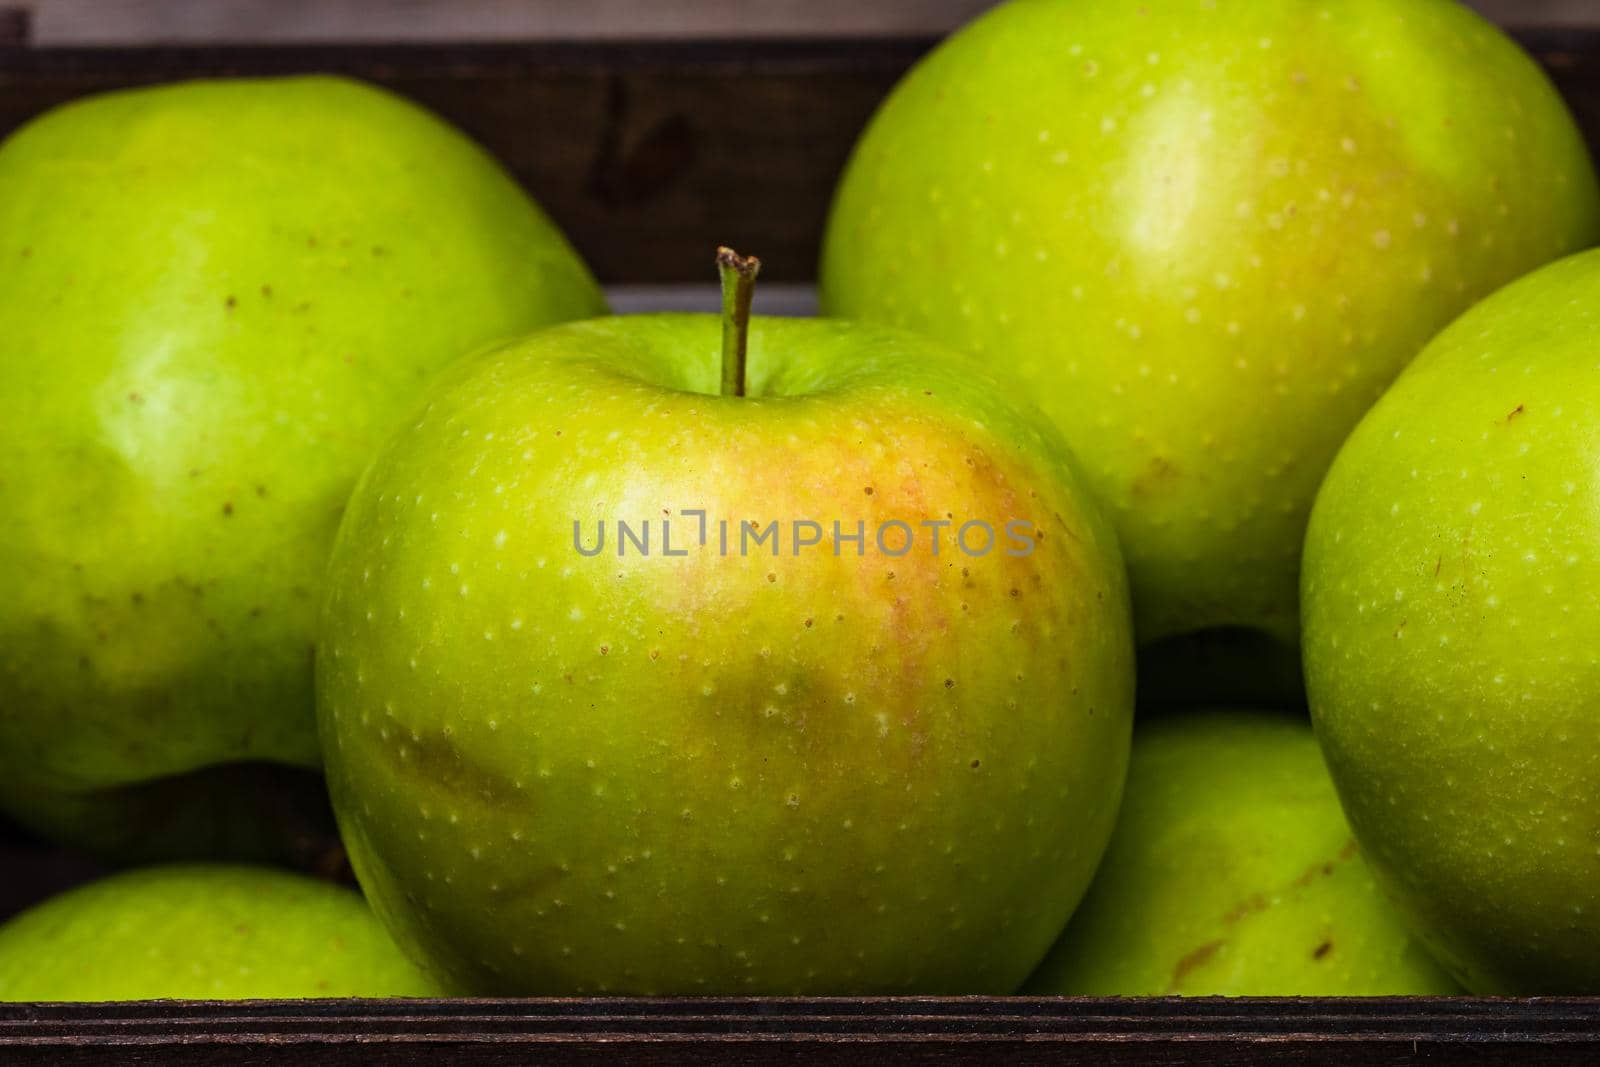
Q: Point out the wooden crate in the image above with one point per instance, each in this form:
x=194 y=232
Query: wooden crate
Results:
x=648 y=155
x=882 y=1031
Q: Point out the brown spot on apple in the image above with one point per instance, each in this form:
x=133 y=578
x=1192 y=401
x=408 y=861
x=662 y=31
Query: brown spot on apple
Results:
x=1158 y=474
x=1194 y=959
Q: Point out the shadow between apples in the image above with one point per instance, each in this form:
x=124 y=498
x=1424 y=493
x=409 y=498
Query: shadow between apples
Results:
x=1233 y=667
x=233 y=812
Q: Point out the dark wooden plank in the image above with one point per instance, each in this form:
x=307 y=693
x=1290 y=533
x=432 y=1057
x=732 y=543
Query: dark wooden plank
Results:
x=822 y=1030
x=648 y=154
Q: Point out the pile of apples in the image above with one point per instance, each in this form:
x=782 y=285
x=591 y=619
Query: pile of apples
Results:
x=670 y=654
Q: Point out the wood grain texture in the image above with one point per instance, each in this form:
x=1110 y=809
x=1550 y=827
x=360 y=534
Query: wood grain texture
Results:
x=817 y=1030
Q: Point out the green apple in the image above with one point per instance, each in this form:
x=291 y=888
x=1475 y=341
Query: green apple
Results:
x=805 y=762
x=203 y=932
x=217 y=299
x=1451 y=617
x=1232 y=872
x=1208 y=234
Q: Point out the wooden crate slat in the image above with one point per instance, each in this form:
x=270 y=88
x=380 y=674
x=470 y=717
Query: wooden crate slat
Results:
x=825 y=1030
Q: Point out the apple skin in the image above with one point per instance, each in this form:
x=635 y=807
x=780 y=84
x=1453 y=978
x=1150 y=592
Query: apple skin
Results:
x=796 y=774
x=1207 y=236
x=1450 y=622
x=203 y=932
x=219 y=298
x=1232 y=872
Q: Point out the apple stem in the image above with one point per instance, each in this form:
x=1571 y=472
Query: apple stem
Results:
x=738 y=275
